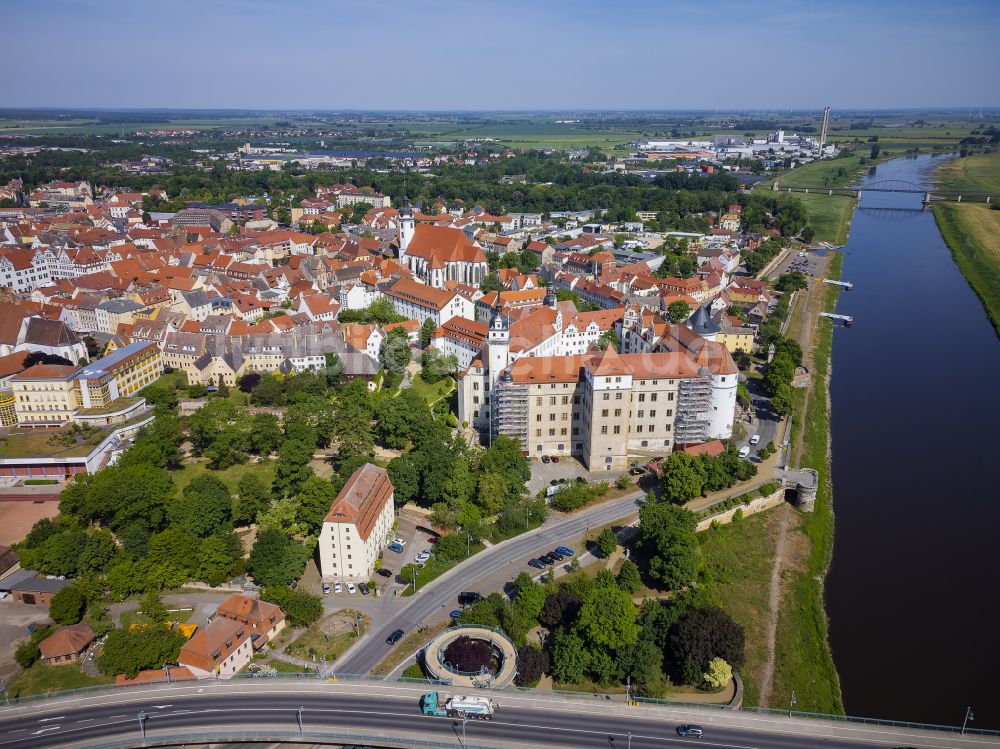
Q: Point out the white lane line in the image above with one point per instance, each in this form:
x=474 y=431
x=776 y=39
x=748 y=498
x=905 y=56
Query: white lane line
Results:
x=17 y=730
x=161 y=707
x=84 y=720
x=112 y=717
x=58 y=717
x=43 y=730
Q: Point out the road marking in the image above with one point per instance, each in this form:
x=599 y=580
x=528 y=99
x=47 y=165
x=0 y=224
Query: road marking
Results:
x=43 y=730
x=85 y=720
x=161 y=707
x=58 y=717
x=115 y=716
x=17 y=730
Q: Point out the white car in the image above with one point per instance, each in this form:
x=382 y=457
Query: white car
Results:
x=744 y=451
x=351 y=588
x=400 y=541
x=338 y=588
x=755 y=439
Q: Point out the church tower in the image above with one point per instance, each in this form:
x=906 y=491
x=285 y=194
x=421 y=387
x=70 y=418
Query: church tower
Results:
x=407 y=227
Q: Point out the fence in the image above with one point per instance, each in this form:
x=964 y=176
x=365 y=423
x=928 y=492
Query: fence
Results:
x=330 y=737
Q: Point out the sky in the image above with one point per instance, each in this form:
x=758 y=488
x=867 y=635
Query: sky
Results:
x=500 y=54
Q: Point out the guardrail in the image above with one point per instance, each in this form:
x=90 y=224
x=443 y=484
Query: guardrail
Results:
x=604 y=697
x=332 y=737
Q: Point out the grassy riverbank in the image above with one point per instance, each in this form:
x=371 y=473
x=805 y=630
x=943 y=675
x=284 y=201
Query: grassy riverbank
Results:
x=972 y=230
x=829 y=215
x=804 y=660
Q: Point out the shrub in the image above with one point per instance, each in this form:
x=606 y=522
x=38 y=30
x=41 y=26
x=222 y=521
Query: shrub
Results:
x=532 y=664
x=623 y=481
x=738 y=515
x=607 y=542
x=769 y=488
x=469 y=654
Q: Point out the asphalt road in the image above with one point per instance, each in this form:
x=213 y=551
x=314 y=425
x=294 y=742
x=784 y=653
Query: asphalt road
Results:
x=519 y=721
x=511 y=555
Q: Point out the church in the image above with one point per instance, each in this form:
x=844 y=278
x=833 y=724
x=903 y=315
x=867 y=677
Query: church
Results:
x=439 y=254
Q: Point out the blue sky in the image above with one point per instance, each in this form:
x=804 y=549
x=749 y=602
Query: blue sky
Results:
x=500 y=54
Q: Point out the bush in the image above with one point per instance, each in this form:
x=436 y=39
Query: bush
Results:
x=577 y=495
x=414 y=671
x=769 y=488
x=469 y=654
x=301 y=607
x=738 y=515
x=623 y=481
x=532 y=664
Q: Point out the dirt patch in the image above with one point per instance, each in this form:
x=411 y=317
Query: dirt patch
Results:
x=16 y=518
x=774 y=599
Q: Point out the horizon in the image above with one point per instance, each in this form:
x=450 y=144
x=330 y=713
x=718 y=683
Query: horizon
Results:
x=584 y=56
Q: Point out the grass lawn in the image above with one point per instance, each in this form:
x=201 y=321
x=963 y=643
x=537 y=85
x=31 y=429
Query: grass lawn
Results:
x=979 y=173
x=40 y=679
x=737 y=561
x=829 y=215
x=230 y=477
x=432 y=392
x=839 y=172
x=329 y=637
x=282 y=667
x=972 y=233
x=134 y=616
x=405 y=647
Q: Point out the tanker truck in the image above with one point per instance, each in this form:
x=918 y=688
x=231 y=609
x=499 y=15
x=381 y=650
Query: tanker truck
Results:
x=448 y=706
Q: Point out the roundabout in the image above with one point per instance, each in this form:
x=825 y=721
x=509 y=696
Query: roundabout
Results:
x=500 y=673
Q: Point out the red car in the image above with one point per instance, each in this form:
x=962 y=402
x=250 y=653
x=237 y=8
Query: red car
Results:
x=432 y=540
x=555 y=458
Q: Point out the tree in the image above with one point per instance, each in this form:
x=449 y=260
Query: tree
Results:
x=560 y=609
x=170 y=558
x=292 y=467
x=395 y=352
x=354 y=421
x=807 y=234
x=253 y=499
x=719 y=673
x=876 y=150
x=570 y=659
x=607 y=542
x=316 y=495
x=404 y=477
x=204 y=506
x=682 y=478
x=530 y=596
x=532 y=664
x=129 y=651
x=67 y=605
x=666 y=533
x=698 y=636
x=640 y=660
x=217 y=557
x=468 y=654
x=249 y=381
x=781 y=400
x=265 y=434
x=268 y=391
x=426 y=331
x=608 y=338
x=153 y=607
x=628 y=578
x=678 y=311
x=491 y=493
x=127 y=495
x=301 y=607
x=40 y=357
x=608 y=618
x=276 y=559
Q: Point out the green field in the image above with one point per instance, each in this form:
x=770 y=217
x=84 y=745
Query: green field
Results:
x=230 y=477
x=40 y=679
x=840 y=172
x=829 y=215
x=979 y=173
x=972 y=233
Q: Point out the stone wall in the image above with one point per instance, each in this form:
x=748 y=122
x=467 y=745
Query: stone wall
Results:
x=757 y=505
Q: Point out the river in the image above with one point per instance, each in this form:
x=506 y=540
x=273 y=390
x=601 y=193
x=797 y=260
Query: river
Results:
x=912 y=593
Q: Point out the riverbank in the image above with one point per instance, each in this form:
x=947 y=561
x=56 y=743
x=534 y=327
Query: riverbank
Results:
x=972 y=230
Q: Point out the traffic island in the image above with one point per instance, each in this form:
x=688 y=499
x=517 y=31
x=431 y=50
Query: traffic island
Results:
x=500 y=652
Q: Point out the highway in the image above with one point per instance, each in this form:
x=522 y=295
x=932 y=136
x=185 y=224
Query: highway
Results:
x=392 y=713
x=506 y=559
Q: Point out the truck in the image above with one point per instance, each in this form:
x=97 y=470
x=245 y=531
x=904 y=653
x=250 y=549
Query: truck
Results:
x=447 y=706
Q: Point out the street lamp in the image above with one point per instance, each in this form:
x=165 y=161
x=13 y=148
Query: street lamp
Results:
x=791 y=704
x=3 y=688
x=968 y=716
x=357 y=624
x=166 y=670
x=629 y=740
x=468 y=544
x=464 y=721
x=301 y=726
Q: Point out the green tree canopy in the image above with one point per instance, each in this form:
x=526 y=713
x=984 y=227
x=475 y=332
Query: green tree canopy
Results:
x=666 y=533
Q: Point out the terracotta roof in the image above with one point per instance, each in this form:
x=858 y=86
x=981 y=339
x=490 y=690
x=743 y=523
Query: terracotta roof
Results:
x=244 y=609
x=67 y=641
x=713 y=448
x=156 y=676
x=200 y=650
x=47 y=372
x=361 y=500
x=444 y=243
x=422 y=294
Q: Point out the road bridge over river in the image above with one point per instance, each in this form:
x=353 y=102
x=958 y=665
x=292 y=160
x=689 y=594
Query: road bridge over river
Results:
x=891 y=186
x=385 y=714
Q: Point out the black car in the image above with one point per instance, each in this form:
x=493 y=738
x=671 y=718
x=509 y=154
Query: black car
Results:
x=556 y=555
x=547 y=559
x=690 y=729
x=538 y=564
x=467 y=598
x=555 y=482
x=395 y=637
x=545 y=459
x=385 y=572
x=363 y=587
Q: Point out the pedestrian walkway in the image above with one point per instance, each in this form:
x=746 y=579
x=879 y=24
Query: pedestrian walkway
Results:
x=438 y=672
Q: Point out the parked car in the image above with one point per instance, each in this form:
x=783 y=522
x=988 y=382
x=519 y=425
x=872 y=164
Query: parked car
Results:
x=396 y=636
x=546 y=459
x=536 y=563
x=338 y=588
x=556 y=555
x=432 y=540
x=396 y=547
x=555 y=482
x=555 y=458
x=400 y=541
x=456 y=613
x=363 y=587
x=565 y=551
x=351 y=588
x=755 y=439
x=326 y=588
x=384 y=572
x=690 y=729
x=468 y=597
x=744 y=451
x=546 y=559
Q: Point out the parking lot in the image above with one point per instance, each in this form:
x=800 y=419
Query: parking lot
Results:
x=542 y=474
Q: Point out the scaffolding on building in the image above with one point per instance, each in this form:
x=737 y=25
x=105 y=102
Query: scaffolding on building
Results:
x=510 y=410
x=694 y=400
